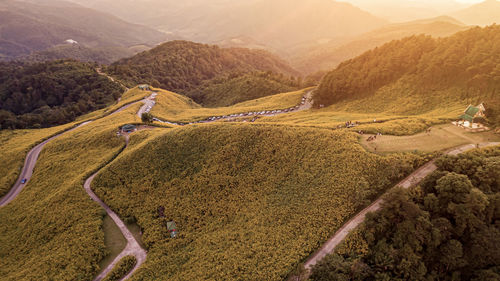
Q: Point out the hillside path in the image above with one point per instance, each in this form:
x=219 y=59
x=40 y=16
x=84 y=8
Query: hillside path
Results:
x=29 y=166
x=133 y=247
x=415 y=178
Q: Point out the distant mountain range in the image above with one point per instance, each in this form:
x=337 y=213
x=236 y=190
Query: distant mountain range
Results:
x=328 y=56
x=485 y=13
x=28 y=26
x=403 y=11
x=276 y=23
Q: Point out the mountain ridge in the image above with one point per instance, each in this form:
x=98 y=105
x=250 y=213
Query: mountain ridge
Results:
x=36 y=27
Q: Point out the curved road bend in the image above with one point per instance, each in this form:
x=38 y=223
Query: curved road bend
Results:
x=29 y=165
x=304 y=105
x=133 y=247
x=32 y=157
x=415 y=178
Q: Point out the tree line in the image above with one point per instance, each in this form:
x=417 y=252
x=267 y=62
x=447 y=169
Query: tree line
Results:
x=463 y=66
x=189 y=68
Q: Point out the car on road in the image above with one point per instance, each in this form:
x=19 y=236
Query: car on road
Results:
x=23 y=181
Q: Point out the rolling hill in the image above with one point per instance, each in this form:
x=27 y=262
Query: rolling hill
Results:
x=419 y=74
x=403 y=11
x=262 y=184
x=329 y=56
x=183 y=67
x=233 y=90
x=52 y=93
x=485 y=13
x=27 y=26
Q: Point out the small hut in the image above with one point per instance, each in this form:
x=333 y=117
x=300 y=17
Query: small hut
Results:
x=144 y=87
x=172 y=229
x=471 y=114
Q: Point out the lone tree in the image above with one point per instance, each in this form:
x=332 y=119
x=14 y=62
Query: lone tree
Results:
x=147 y=118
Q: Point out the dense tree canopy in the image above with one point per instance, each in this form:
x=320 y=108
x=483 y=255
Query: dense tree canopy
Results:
x=51 y=93
x=183 y=67
x=446 y=229
x=463 y=66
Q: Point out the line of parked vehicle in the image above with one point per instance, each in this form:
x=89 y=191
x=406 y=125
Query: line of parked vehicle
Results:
x=240 y=115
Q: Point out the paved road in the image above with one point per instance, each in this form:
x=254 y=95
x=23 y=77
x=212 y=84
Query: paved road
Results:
x=412 y=180
x=32 y=157
x=29 y=166
x=305 y=104
x=133 y=247
x=149 y=102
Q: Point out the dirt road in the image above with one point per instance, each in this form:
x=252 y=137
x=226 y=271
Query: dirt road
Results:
x=415 y=178
x=133 y=247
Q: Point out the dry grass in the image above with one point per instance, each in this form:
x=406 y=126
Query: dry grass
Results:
x=440 y=138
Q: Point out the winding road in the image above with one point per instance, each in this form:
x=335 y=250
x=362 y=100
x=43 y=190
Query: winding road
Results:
x=305 y=104
x=29 y=166
x=133 y=247
x=412 y=180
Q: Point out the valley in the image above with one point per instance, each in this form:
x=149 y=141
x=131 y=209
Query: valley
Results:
x=249 y=140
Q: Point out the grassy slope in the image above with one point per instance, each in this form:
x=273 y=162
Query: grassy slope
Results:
x=242 y=196
x=420 y=76
x=15 y=144
x=322 y=166
x=62 y=226
x=440 y=138
x=230 y=91
x=174 y=107
x=407 y=113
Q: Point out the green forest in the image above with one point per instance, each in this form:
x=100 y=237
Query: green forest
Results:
x=465 y=65
x=45 y=94
x=185 y=67
x=448 y=228
x=236 y=88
